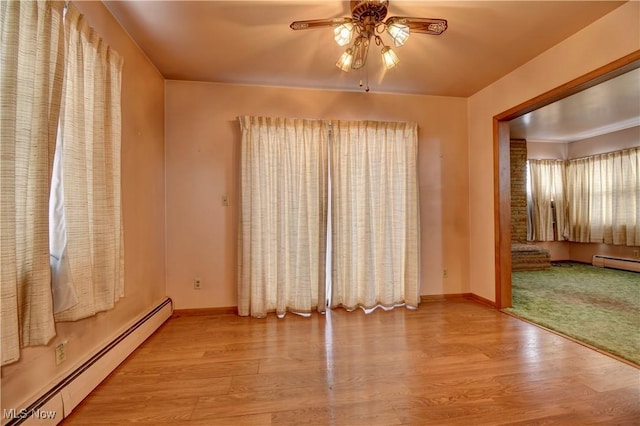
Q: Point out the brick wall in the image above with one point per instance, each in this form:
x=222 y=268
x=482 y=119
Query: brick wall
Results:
x=518 y=191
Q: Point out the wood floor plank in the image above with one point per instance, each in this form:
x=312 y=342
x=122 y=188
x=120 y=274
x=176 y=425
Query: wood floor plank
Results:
x=165 y=388
x=348 y=414
x=96 y=410
x=448 y=362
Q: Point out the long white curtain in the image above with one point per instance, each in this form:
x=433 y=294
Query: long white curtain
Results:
x=31 y=43
x=375 y=215
x=282 y=230
x=547 y=185
x=603 y=193
x=90 y=145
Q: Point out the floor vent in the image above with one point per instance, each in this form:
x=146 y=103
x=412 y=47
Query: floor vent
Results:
x=623 y=263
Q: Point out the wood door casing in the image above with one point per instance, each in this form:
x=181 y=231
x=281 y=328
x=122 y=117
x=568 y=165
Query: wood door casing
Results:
x=501 y=170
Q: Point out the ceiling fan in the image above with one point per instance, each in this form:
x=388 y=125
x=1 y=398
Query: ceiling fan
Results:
x=366 y=23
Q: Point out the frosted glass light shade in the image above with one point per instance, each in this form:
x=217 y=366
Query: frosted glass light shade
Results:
x=344 y=63
x=389 y=57
x=342 y=33
x=399 y=33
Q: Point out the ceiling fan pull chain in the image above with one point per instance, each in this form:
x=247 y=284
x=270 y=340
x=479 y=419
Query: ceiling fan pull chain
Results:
x=367 y=88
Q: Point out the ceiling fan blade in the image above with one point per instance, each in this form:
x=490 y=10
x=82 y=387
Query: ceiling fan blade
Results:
x=432 y=26
x=317 y=23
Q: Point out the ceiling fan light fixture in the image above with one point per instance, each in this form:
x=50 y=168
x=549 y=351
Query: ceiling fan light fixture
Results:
x=361 y=47
x=342 y=33
x=389 y=57
x=365 y=26
x=399 y=33
x=344 y=63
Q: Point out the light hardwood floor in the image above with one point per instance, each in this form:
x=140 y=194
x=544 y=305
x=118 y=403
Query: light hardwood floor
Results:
x=452 y=362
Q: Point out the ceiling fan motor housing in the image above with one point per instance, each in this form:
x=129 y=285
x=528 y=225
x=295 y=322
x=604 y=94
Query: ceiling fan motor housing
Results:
x=369 y=11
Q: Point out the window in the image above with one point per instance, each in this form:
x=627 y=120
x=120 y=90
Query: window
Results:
x=603 y=196
x=285 y=196
x=596 y=198
x=546 y=199
x=60 y=98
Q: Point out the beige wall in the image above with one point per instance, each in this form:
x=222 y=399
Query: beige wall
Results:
x=611 y=37
x=143 y=208
x=610 y=142
x=584 y=252
x=547 y=150
x=202 y=137
x=615 y=141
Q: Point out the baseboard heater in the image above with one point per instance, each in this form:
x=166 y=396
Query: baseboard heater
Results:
x=70 y=391
x=616 y=263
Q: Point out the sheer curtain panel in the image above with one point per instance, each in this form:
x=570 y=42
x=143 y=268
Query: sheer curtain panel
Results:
x=604 y=198
x=90 y=144
x=31 y=75
x=283 y=219
x=547 y=181
x=375 y=215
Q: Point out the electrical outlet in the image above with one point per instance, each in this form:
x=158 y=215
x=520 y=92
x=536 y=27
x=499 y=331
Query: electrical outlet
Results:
x=445 y=273
x=197 y=283
x=225 y=201
x=636 y=254
x=61 y=353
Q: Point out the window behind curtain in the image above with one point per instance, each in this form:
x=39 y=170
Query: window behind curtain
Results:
x=43 y=77
x=31 y=69
x=374 y=241
x=546 y=182
x=283 y=217
x=375 y=215
x=601 y=201
x=603 y=194
x=90 y=125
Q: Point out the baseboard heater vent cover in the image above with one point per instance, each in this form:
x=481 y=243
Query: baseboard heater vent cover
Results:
x=68 y=393
x=623 y=263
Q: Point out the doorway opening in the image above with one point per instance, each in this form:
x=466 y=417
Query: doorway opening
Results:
x=501 y=150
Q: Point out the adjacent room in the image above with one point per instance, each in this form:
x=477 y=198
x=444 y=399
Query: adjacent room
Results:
x=293 y=212
x=573 y=201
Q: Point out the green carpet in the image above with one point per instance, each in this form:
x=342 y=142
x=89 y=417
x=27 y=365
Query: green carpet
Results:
x=597 y=306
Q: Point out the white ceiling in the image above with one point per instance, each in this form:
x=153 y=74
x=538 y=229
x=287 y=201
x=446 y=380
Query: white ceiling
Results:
x=250 y=42
x=608 y=107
